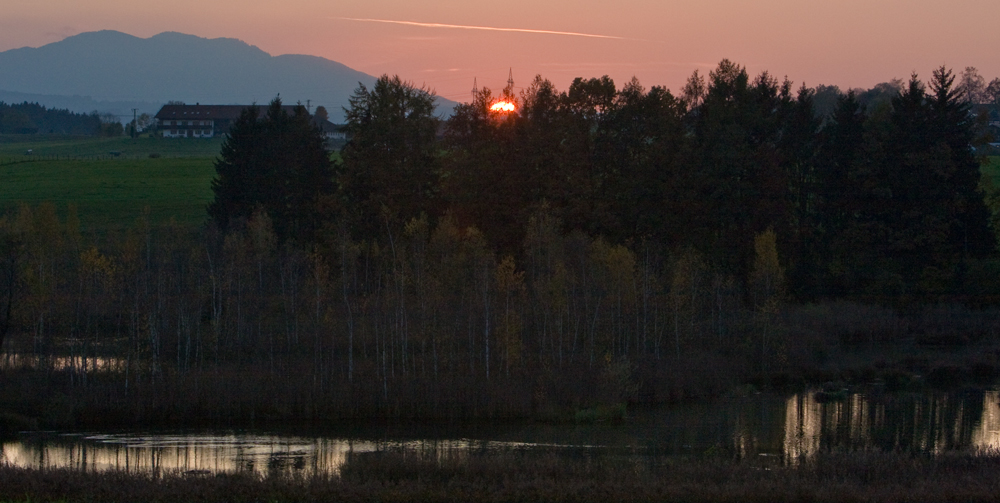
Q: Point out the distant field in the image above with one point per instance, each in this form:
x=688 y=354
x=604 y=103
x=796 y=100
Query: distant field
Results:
x=14 y=147
x=992 y=169
x=112 y=193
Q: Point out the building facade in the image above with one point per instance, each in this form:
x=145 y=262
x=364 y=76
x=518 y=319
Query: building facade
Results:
x=201 y=121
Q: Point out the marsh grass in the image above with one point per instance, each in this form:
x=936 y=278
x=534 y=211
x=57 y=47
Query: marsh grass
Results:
x=518 y=476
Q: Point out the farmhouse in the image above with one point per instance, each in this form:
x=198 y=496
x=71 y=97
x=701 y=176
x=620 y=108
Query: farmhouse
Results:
x=202 y=121
x=334 y=132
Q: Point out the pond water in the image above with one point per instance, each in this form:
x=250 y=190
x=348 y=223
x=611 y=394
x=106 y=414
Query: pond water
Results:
x=779 y=428
x=13 y=361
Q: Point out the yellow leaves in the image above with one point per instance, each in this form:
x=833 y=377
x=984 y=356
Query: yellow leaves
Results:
x=766 y=249
x=768 y=277
x=767 y=289
x=686 y=273
x=618 y=260
x=510 y=286
x=543 y=230
x=417 y=228
x=508 y=279
x=97 y=266
x=553 y=289
x=617 y=266
x=686 y=289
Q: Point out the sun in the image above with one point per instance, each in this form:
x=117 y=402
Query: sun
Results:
x=503 y=106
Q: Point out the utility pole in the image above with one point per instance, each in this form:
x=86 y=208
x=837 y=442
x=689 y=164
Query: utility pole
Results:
x=309 y=107
x=475 y=89
x=135 y=123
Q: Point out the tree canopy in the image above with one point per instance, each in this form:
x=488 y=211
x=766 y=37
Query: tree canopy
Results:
x=390 y=164
x=277 y=163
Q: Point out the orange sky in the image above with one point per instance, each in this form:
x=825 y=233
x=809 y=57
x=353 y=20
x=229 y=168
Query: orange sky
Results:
x=851 y=43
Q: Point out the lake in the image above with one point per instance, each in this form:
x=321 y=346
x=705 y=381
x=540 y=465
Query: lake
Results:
x=772 y=428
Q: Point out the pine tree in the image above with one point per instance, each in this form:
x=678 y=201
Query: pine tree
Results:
x=278 y=163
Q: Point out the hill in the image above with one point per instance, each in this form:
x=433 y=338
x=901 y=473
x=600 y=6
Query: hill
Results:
x=110 y=66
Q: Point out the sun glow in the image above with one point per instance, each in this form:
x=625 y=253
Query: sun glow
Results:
x=503 y=106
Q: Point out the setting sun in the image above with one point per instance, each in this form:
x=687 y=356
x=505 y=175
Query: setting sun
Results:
x=503 y=106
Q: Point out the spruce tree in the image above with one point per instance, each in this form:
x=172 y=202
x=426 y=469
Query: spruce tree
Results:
x=277 y=163
x=390 y=168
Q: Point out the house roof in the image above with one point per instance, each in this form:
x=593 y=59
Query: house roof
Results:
x=327 y=126
x=210 y=112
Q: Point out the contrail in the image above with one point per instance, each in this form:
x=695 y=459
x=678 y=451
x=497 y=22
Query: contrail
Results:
x=485 y=28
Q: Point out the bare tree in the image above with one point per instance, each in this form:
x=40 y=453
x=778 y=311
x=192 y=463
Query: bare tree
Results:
x=972 y=86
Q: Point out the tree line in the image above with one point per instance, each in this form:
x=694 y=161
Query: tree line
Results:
x=596 y=246
x=881 y=199
x=433 y=323
x=31 y=118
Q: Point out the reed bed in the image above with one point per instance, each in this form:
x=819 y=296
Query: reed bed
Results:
x=392 y=477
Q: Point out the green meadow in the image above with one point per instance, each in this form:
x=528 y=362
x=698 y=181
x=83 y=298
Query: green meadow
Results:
x=112 y=193
x=991 y=168
x=110 y=180
x=14 y=148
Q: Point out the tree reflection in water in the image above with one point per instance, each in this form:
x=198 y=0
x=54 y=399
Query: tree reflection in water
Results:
x=770 y=428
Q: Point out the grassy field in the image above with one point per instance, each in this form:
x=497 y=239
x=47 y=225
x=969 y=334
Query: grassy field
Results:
x=992 y=169
x=49 y=147
x=112 y=193
x=170 y=176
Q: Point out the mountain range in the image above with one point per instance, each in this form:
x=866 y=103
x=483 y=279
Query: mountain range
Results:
x=110 y=71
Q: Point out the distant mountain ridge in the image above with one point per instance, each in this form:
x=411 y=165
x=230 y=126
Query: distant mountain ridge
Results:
x=115 y=67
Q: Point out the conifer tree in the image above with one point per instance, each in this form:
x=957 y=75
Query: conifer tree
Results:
x=278 y=163
x=390 y=164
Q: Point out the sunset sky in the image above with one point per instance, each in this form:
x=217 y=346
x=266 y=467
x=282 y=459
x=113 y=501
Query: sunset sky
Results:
x=850 y=43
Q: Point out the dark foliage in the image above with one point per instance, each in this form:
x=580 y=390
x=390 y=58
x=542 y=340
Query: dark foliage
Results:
x=390 y=168
x=880 y=202
x=29 y=118
x=277 y=164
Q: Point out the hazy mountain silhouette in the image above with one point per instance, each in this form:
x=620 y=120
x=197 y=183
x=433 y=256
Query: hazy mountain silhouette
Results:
x=83 y=104
x=110 y=66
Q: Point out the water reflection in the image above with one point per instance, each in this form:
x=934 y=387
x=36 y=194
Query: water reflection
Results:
x=931 y=422
x=14 y=361
x=987 y=432
x=214 y=453
x=770 y=428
